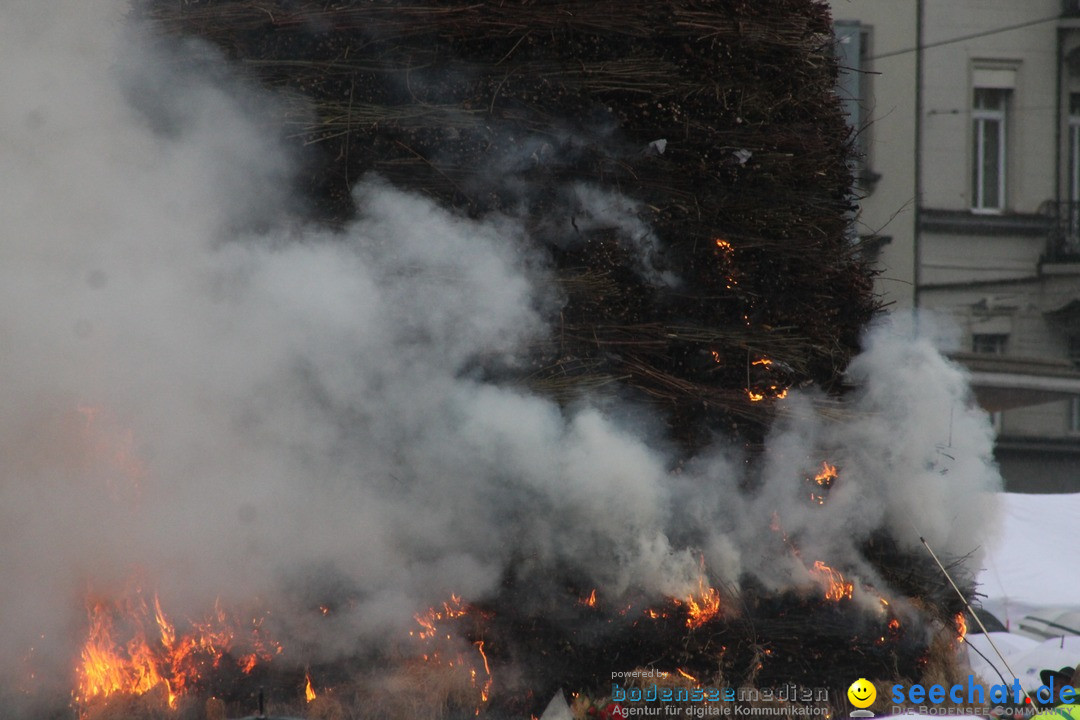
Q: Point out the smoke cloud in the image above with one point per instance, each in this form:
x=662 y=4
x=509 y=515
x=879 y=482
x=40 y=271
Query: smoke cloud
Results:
x=206 y=393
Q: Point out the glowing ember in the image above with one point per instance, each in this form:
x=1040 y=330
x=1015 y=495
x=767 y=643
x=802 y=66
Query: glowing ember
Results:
x=686 y=675
x=765 y=387
x=836 y=587
x=309 y=690
x=727 y=251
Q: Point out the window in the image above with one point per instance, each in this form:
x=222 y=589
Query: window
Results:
x=1073 y=227
x=989 y=343
x=853 y=88
x=988 y=153
x=1073 y=351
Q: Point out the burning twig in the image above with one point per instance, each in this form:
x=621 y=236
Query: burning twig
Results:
x=836 y=587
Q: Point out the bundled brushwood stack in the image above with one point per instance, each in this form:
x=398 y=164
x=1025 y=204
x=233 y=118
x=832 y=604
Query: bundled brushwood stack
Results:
x=684 y=167
x=712 y=123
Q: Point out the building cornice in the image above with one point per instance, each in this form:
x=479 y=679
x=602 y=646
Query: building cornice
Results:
x=1057 y=445
x=965 y=222
x=1002 y=382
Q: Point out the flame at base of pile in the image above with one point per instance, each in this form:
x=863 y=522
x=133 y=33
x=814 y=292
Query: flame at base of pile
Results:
x=507 y=656
x=133 y=650
x=817 y=636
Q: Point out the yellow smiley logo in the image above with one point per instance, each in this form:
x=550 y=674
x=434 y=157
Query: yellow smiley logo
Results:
x=862 y=693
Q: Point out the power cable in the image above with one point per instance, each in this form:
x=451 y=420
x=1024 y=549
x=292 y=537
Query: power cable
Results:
x=962 y=38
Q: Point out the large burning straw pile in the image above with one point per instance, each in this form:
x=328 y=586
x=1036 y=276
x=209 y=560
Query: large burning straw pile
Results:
x=422 y=359
x=684 y=165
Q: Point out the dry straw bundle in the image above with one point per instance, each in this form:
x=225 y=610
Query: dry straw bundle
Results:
x=717 y=119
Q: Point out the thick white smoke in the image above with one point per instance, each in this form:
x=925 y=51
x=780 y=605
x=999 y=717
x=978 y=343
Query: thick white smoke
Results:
x=203 y=393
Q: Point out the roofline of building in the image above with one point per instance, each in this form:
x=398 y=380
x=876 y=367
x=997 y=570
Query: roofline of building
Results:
x=1002 y=382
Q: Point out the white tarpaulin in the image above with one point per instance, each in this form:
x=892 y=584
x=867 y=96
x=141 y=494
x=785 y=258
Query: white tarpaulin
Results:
x=1033 y=561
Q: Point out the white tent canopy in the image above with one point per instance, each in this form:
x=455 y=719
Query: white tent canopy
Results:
x=984 y=659
x=1032 y=564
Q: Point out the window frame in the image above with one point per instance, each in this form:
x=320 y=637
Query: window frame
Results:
x=1072 y=167
x=982 y=117
x=999 y=342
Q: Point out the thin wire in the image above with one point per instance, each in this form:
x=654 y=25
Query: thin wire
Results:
x=992 y=665
x=962 y=38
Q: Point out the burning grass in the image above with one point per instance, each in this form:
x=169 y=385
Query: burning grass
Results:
x=134 y=655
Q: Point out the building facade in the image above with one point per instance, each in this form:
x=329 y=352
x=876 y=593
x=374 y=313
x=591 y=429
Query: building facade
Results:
x=970 y=130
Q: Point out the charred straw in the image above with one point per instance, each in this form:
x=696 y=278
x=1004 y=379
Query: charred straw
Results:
x=507 y=107
x=499 y=107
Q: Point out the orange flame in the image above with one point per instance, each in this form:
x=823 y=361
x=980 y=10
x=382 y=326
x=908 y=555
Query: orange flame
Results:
x=836 y=587
x=112 y=448
x=703 y=606
x=824 y=479
x=247 y=663
x=757 y=392
x=826 y=476
x=309 y=690
x=154 y=657
x=960 y=620
x=440 y=644
x=485 y=692
x=893 y=630
x=589 y=601
x=454 y=608
x=686 y=675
